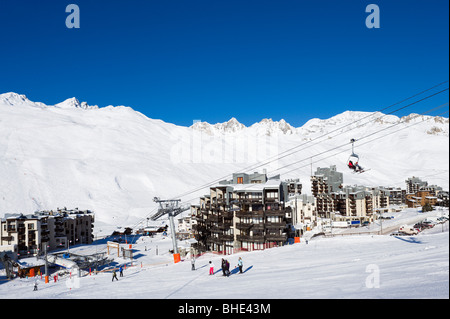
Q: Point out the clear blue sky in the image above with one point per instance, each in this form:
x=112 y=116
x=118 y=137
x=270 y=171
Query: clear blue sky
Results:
x=179 y=60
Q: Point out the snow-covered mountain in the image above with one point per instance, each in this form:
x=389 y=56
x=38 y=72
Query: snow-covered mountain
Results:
x=114 y=160
x=265 y=127
x=74 y=103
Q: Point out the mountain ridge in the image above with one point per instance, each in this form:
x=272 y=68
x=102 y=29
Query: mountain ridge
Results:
x=266 y=125
x=114 y=160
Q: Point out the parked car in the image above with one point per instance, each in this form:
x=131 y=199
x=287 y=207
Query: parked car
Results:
x=408 y=230
x=428 y=223
x=442 y=219
x=396 y=233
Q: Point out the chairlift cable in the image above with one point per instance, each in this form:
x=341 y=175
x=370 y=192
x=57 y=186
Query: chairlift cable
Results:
x=340 y=128
x=278 y=157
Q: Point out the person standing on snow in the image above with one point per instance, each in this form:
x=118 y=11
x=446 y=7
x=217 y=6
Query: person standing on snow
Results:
x=227 y=268
x=240 y=264
x=224 y=267
x=114 y=275
x=121 y=271
x=211 y=268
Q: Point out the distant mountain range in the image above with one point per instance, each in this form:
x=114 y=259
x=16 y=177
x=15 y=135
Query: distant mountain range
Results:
x=114 y=160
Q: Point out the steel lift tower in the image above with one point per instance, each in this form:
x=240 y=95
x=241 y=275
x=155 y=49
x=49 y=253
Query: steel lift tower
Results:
x=171 y=208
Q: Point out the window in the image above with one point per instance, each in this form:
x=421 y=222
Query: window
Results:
x=240 y=180
x=272 y=194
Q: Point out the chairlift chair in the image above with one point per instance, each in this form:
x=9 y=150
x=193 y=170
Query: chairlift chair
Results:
x=353 y=159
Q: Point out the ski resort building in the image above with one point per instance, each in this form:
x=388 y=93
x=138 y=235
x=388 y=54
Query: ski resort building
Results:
x=333 y=200
x=245 y=213
x=419 y=193
x=414 y=184
x=29 y=233
x=326 y=180
x=304 y=212
x=421 y=198
x=396 y=195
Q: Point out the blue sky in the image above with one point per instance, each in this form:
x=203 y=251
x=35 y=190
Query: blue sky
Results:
x=180 y=61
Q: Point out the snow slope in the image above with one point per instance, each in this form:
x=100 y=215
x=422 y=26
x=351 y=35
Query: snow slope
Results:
x=362 y=267
x=114 y=160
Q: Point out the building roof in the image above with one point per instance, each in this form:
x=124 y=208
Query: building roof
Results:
x=256 y=187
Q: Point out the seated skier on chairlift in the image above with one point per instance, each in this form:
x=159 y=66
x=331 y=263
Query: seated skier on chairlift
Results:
x=351 y=165
x=354 y=157
x=354 y=166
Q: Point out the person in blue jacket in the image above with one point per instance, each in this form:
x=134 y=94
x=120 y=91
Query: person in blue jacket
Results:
x=240 y=264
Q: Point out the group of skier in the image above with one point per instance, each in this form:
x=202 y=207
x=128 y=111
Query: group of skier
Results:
x=226 y=267
x=114 y=274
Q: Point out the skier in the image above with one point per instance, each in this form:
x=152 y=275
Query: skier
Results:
x=121 y=271
x=227 y=268
x=193 y=263
x=351 y=165
x=240 y=264
x=114 y=275
x=211 y=268
x=35 y=285
x=224 y=267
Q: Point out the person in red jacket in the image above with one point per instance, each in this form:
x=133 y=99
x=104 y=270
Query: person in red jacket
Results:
x=350 y=165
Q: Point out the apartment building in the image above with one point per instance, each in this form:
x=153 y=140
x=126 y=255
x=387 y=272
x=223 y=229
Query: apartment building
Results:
x=414 y=184
x=247 y=212
x=349 y=202
x=396 y=195
x=419 y=193
x=326 y=180
x=421 y=198
x=304 y=212
x=55 y=229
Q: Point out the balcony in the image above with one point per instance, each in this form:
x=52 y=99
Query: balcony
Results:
x=226 y=214
x=215 y=240
x=275 y=212
x=226 y=224
x=244 y=226
x=275 y=224
x=11 y=229
x=252 y=239
x=258 y=213
x=226 y=237
x=248 y=200
x=212 y=218
x=276 y=237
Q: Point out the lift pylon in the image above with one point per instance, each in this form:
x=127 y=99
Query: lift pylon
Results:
x=171 y=208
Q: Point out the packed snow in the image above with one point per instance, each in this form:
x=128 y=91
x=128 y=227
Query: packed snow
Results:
x=358 y=266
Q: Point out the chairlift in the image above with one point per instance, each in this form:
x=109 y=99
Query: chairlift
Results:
x=353 y=159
